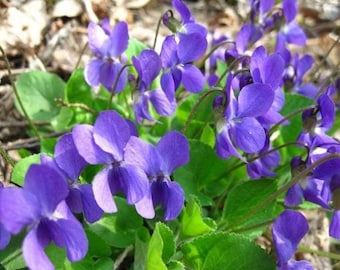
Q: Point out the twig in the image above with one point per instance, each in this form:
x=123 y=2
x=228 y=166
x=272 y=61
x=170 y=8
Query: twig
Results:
x=31 y=142
x=121 y=257
x=8 y=66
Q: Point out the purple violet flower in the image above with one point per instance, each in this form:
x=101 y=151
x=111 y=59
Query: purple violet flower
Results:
x=187 y=25
x=5 y=235
x=40 y=206
x=291 y=32
x=159 y=162
x=108 y=48
x=240 y=128
x=177 y=64
x=288 y=230
x=69 y=163
x=262 y=167
x=104 y=143
x=148 y=65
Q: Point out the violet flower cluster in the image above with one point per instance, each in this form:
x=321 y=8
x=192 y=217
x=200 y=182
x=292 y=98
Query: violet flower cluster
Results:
x=52 y=192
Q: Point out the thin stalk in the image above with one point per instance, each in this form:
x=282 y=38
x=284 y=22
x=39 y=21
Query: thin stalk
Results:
x=325 y=57
x=288 y=116
x=76 y=105
x=115 y=83
x=157 y=31
x=80 y=55
x=121 y=257
x=321 y=253
x=8 y=66
x=195 y=108
x=280 y=191
x=232 y=65
x=6 y=157
x=259 y=225
x=269 y=152
x=215 y=48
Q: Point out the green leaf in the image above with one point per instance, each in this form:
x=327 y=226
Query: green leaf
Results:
x=161 y=248
x=205 y=175
x=11 y=257
x=135 y=48
x=141 y=247
x=118 y=229
x=176 y=265
x=38 y=91
x=47 y=146
x=103 y=264
x=208 y=136
x=293 y=102
x=20 y=168
x=217 y=251
x=245 y=197
x=63 y=121
x=192 y=222
x=77 y=90
x=97 y=246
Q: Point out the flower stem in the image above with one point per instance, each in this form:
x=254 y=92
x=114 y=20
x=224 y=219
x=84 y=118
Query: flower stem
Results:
x=75 y=105
x=288 y=116
x=80 y=55
x=304 y=173
x=321 y=253
x=157 y=31
x=7 y=158
x=269 y=152
x=115 y=84
x=195 y=108
x=8 y=66
x=215 y=48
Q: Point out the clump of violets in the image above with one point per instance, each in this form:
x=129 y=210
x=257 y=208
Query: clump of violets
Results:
x=288 y=230
x=253 y=85
x=108 y=47
x=104 y=143
x=159 y=162
x=148 y=66
x=70 y=164
x=40 y=207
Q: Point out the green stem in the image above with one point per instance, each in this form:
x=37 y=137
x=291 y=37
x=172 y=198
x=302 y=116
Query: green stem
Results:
x=115 y=84
x=215 y=48
x=8 y=66
x=232 y=65
x=304 y=173
x=157 y=31
x=321 y=253
x=76 y=105
x=7 y=158
x=80 y=55
x=269 y=152
x=288 y=116
x=259 y=225
x=195 y=108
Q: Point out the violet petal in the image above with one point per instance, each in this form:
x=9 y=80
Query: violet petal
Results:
x=251 y=96
x=192 y=78
x=287 y=237
x=250 y=136
x=33 y=252
x=111 y=133
x=173 y=147
x=67 y=157
x=102 y=191
x=83 y=139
